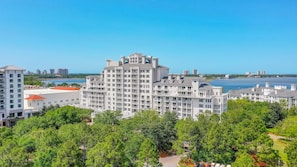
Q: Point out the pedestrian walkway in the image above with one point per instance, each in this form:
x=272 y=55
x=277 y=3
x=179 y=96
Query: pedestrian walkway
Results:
x=170 y=161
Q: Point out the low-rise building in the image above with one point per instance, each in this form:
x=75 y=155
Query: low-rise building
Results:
x=267 y=94
x=36 y=99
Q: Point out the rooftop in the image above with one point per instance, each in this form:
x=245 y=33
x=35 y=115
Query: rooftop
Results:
x=181 y=81
x=35 y=97
x=11 y=67
x=49 y=91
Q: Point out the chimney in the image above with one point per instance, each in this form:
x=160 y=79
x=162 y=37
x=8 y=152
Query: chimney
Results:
x=169 y=77
x=108 y=63
x=149 y=58
x=293 y=87
x=143 y=59
x=123 y=59
x=267 y=85
x=155 y=62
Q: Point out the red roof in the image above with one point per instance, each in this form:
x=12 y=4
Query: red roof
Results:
x=65 y=88
x=35 y=97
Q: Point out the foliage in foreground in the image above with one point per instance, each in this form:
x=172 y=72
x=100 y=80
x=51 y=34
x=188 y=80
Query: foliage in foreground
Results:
x=61 y=137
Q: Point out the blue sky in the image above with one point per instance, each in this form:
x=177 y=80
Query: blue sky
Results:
x=213 y=36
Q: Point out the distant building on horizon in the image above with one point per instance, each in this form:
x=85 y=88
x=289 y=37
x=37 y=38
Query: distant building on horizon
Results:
x=62 y=71
x=44 y=72
x=52 y=71
x=11 y=94
x=38 y=72
x=138 y=82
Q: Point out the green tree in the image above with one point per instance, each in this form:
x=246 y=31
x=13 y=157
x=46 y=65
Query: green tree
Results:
x=247 y=132
x=274 y=115
x=243 y=159
x=45 y=156
x=219 y=144
x=265 y=152
x=32 y=80
x=68 y=154
x=5 y=133
x=291 y=151
x=167 y=131
x=80 y=134
x=148 y=154
x=63 y=84
x=108 y=117
x=11 y=154
x=110 y=152
x=132 y=146
x=188 y=136
x=288 y=127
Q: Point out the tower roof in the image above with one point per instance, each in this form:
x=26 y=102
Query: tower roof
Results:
x=11 y=67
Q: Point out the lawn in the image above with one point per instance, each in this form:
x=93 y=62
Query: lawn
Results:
x=280 y=144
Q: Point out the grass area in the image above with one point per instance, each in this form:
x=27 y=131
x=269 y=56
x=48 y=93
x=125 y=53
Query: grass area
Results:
x=280 y=146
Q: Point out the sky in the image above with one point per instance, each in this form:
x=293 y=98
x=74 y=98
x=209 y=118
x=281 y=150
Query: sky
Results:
x=212 y=36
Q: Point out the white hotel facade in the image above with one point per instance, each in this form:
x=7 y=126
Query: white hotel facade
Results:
x=138 y=82
x=11 y=94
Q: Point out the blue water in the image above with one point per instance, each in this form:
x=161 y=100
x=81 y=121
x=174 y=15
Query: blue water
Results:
x=227 y=84
x=66 y=80
x=241 y=83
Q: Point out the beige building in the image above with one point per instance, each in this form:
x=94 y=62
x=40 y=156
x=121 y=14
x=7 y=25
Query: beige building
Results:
x=138 y=82
x=11 y=94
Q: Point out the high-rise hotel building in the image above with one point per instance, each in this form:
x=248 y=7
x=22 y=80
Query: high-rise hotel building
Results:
x=11 y=94
x=138 y=82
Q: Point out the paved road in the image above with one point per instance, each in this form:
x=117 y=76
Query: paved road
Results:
x=275 y=137
x=170 y=161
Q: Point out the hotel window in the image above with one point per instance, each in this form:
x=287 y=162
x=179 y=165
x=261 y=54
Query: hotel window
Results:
x=11 y=86
x=19 y=95
x=19 y=75
x=11 y=106
x=11 y=90
x=10 y=75
x=19 y=105
x=11 y=96
x=19 y=85
x=11 y=80
x=19 y=80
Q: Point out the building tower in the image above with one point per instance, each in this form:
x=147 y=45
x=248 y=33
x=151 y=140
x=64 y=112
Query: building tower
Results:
x=138 y=82
x=11 y=94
